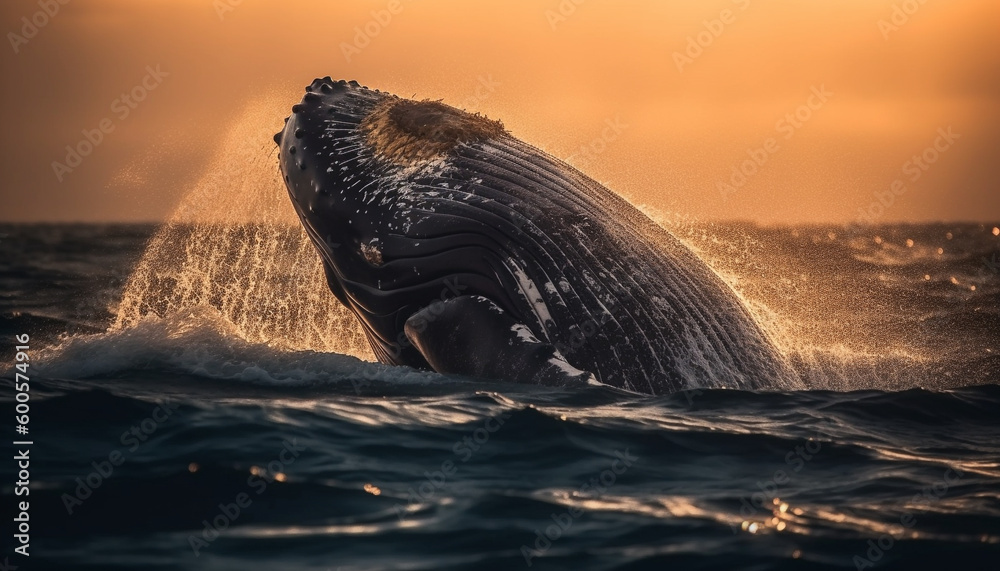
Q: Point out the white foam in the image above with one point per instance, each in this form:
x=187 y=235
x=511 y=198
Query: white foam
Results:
x=201 y=342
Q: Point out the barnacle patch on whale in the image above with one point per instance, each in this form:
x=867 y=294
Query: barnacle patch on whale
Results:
x=409 y=132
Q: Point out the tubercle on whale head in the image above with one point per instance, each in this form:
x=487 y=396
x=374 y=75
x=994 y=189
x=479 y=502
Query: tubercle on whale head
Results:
x=342 y=137
x=402 y=131
x=311 y=149
x=324 y=85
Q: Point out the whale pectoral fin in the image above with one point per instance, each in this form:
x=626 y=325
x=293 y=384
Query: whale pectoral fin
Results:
x=472 y=336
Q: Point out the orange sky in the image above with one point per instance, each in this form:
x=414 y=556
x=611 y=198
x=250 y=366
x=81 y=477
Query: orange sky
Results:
x=558 y=81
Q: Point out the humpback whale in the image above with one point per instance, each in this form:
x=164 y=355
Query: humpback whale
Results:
x=464 y=250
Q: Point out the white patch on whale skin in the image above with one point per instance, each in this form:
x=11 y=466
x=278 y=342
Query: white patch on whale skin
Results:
x=523 y=333
x=571 y=371
x=530 y=293
x=489 y=302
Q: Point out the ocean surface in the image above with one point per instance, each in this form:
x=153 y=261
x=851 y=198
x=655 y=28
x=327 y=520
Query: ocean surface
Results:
x=180 y=424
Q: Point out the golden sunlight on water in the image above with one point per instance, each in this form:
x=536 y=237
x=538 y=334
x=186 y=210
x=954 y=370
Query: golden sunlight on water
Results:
x=234 y=244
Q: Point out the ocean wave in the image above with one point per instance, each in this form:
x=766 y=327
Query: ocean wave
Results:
x=200 y=342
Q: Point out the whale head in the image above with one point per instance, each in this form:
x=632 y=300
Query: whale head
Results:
x=343 y=143
x=348 y=155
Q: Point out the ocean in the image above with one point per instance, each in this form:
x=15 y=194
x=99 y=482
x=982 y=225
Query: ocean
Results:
x=197 y=401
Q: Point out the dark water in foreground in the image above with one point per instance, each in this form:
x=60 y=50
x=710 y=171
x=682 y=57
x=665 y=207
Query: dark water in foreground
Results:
x=332 y=463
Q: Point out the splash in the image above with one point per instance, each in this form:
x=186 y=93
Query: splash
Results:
x=234 y=244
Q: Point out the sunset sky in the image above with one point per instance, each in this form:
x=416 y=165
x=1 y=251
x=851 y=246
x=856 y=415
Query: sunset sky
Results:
x=666 y=120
